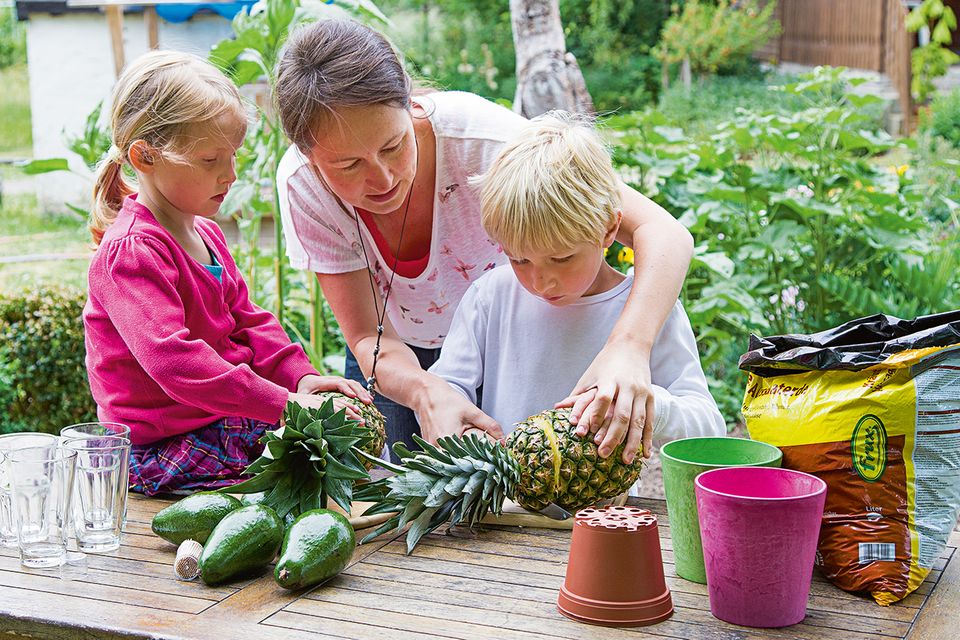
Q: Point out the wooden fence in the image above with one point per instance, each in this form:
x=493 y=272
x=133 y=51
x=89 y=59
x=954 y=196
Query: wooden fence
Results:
x=860 y=34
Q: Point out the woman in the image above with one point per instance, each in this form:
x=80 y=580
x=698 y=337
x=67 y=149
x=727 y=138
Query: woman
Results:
x=374 y=200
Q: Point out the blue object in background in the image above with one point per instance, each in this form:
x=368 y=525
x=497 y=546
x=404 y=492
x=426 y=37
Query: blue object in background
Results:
x=183 y=12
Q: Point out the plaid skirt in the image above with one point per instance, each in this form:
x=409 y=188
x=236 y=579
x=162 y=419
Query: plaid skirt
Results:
x=208 y=458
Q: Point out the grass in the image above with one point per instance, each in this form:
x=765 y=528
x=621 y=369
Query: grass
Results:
x=26 y=230
x=15 y=137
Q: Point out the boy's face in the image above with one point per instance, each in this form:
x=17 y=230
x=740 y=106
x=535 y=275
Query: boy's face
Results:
x=563 y=276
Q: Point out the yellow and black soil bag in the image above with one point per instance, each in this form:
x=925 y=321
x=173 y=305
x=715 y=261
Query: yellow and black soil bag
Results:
x=873 y=408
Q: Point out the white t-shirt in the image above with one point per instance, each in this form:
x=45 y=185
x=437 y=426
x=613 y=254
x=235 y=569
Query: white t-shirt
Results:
x=528 y=355
x=321 y=234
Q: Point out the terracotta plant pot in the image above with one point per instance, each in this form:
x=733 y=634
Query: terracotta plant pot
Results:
x=615 y=571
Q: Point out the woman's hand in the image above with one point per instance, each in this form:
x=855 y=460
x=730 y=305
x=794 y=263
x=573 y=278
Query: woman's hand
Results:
x=613 y=400
x=317 y=384
x=445 y=412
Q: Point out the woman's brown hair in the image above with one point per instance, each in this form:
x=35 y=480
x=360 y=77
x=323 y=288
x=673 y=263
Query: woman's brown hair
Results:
x=332 y=64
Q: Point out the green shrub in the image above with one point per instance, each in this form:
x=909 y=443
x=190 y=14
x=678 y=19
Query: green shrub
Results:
x=43 y=380
x=797 y=230
x=943 y=117
x=13 y=39
x=716 y=99
x=715 y=36
x=628 y=86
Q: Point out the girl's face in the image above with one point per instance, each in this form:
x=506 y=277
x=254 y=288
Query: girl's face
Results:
x=197 y=182
x=367 y=156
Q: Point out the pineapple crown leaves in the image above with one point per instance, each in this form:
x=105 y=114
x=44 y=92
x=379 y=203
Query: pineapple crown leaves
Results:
x=458 y=480
x=310 y=458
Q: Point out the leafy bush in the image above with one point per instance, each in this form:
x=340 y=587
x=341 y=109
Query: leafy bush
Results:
x=797 y=230
x=43 y=380
x=627 y=86
x=934 y=165
x=468 y=46
x=716 y=98
x=943 y=117
x=933 y=59
x=13 y=39
x=715 y=36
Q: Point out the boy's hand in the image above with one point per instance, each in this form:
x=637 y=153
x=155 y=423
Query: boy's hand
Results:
x=446 y=412
x=613 y=401
x=317 y=384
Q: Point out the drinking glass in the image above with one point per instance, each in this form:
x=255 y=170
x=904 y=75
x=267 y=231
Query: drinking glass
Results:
x=42 y=482
x=101 y=491
x=95 y=430
x=101 y=430
x=9 y=442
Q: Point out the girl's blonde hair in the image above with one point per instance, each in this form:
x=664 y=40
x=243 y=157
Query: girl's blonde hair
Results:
x=157 y=99
x=551 y=187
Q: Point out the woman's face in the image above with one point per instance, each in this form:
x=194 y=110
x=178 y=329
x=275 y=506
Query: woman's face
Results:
x=367 y=155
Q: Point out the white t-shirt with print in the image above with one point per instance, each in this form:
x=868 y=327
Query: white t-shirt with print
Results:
x=321 y=233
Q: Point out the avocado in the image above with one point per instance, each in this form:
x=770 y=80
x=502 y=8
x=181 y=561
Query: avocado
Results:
x=245 y=540
x=194 y=517
x=317 y=546
x=248 y=499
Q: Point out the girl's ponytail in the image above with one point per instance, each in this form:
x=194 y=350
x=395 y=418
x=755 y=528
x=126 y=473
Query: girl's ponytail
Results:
x=109 y=190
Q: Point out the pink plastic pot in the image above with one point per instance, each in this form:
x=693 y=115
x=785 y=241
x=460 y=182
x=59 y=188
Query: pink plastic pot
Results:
x=759 y=527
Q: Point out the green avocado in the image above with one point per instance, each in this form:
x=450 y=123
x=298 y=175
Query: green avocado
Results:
x=248 y=499
x=194 y=517
x=317 y=546
x=247 y=539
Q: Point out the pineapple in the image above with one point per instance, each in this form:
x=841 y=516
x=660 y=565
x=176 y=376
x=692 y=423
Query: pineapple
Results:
x=372 y=419
x=312 y=457
x=461 y=479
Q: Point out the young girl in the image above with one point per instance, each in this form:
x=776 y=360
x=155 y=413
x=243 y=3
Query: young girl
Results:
x=175 y=348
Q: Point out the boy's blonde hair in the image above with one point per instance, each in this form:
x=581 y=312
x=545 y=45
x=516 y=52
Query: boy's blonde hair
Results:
x=156 y=99
x=551 y=187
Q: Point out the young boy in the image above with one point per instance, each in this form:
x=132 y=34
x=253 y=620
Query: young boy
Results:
x=524 y=334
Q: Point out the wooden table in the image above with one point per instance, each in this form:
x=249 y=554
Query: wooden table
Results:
x=502 y=584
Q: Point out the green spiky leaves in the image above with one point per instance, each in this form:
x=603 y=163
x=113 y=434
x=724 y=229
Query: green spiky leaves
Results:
x=460 y=480
x=309 y=459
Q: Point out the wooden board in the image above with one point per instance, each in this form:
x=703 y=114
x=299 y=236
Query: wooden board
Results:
x=513 y=516
x=499 y=582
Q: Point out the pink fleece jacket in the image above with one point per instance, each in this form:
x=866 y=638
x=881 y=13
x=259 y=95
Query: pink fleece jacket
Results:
x=169 y=348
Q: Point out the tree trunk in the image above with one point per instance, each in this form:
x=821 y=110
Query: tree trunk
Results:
x=548 y=77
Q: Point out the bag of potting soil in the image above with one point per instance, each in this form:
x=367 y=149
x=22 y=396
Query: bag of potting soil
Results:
x=872 y=407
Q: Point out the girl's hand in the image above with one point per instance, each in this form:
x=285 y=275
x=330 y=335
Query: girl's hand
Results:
x=311 y=401
x=613 y=400
x=316 y=384
x=446 y=412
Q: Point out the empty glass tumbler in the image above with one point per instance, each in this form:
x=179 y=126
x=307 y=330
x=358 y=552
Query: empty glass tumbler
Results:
x=8 y=443
x=101 y=430
x=101 y=491
x=41 y=479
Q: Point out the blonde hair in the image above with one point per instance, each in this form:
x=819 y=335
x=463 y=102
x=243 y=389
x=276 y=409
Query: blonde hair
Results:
x=551 y=187
x=157 y=99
